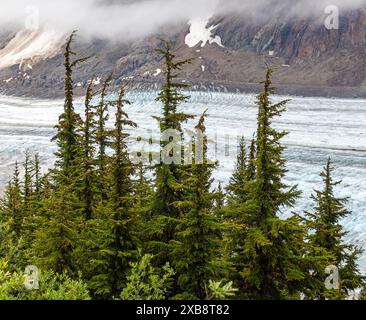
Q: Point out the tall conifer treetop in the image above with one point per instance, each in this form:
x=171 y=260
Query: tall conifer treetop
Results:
x=327 y=233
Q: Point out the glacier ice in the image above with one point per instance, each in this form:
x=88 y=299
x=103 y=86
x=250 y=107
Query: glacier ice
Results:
x=318 y=128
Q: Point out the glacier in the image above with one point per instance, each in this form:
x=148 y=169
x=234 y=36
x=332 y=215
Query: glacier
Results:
x=318 y=128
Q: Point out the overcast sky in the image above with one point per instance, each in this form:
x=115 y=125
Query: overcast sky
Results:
x=127 y=19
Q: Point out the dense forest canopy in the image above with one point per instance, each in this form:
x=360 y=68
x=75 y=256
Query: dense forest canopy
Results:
x=96 y=226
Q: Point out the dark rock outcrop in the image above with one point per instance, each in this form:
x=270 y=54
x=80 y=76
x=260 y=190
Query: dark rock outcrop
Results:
x=308 y=58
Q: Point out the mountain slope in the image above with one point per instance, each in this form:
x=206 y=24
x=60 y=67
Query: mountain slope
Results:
x=230 y=53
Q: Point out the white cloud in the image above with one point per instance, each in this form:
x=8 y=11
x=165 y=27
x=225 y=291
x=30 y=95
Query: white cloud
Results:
x=121 y=19
x=129 y=19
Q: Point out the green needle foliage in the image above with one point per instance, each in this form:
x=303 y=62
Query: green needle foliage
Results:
x=146 y=282
x=51 y=286
x=67 y=137
x=239 y=177
x=197 y=248
x=328 y=234
x=102 y=139
x=88 y=139
x=117 y=227
x=99 y=226
x=251 y=166
x=56 y=242
x=169 y=183
x=220 y=291
x=266 y=251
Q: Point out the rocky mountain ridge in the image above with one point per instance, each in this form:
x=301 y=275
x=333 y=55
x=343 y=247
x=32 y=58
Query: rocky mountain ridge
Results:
x=229 y=54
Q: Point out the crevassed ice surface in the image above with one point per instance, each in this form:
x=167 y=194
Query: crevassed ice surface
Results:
x=318 y=128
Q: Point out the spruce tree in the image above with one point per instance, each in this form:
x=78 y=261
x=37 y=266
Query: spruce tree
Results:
x=251 y=167
x=238 y=179
x=266 y=250
x=327 y=233
x=88 y=151
x=243 y=176
x=196 y=253
x=102 y=139
x=12 y=205
x=18 y=211
x=170 y=95
x=28 y=177
x=69 y=121
x=143 y=190
x=88 y=185
x=11 y=220
x=143 y=194
x=37 y=178
x=117 y=226
x=220 y=198
x=56 y=241
x=169 y=188
x=31 y=203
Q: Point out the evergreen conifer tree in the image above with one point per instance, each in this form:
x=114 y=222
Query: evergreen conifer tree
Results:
x=67 y=138
x=28 y=177
x=169 y=188
x=103 y=140
x=220 y=198
x=12 y=205
x=196 y=254
x=266 y=250
x=56 y=241
x=250 y=172
x=11 y=221
x=37 y=178
x=88 y=151
x=327 y=233
x=238 y=179
x=117 y=225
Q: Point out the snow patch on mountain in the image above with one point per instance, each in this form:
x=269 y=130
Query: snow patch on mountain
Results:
x=200 y=33
x=157 y=72
x=95 y=81
x=31 y=45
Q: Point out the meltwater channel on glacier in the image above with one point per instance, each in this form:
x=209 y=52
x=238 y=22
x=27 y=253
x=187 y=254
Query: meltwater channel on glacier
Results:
x=318 y=128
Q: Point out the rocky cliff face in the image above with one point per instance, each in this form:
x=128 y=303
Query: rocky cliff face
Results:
x=230 y=54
